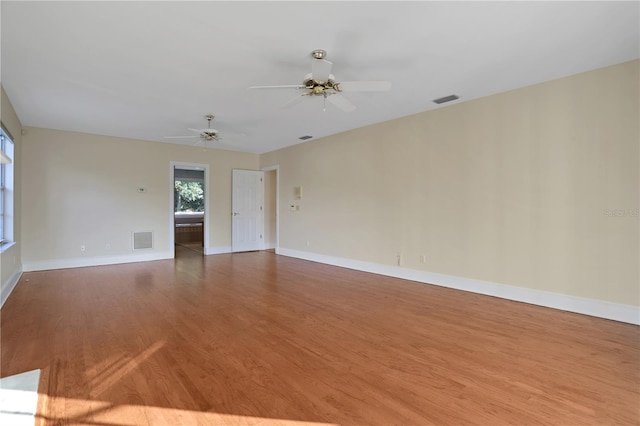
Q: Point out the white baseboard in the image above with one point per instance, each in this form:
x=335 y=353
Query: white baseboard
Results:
x=597 y=308
x=79 y=262
x=224 y=249
x=217 y=250
x=8 y=287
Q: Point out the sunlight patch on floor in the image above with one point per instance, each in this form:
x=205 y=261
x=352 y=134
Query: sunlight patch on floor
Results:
x=107 y=377
x=103 y=412
x=19 y=398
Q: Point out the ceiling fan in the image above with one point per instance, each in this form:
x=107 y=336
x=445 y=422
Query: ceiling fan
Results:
x=320 y=82
x=205 y=135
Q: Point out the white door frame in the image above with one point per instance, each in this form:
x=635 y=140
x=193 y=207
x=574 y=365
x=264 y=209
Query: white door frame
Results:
x=172 y=225
x=277 y=169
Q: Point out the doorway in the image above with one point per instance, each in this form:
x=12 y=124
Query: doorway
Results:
x=189 y=218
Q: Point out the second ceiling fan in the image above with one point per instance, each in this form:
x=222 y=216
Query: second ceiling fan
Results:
x=320 y=82
x=205 y=135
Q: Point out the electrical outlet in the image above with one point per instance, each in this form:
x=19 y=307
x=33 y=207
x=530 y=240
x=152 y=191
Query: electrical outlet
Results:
x=399 y=258
x=423 y=259
x=82 y=248
x=308 y=243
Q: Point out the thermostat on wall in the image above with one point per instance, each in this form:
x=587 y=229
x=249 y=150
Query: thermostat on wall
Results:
x=142 y=189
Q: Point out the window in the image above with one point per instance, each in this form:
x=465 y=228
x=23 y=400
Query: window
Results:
x=6 y=189
x=189 y=196
x=188 y=188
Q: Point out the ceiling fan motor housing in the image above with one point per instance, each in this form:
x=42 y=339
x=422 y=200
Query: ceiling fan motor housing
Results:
x=319 y=54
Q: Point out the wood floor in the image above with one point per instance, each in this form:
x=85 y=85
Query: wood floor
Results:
x=257 y=338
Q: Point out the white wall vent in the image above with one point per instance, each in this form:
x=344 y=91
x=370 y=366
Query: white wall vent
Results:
x=142 y=240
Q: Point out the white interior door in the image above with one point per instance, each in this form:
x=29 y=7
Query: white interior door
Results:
x=247 y=202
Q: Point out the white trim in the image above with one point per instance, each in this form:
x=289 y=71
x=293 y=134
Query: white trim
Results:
x=207 y=184
x=4 y=158
x=6 y=246
x=597 y=308
x=8 y=287
x=217 y=250
x=80 y=262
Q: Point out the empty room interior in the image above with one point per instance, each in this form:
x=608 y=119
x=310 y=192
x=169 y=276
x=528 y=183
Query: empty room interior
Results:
x=320 y=213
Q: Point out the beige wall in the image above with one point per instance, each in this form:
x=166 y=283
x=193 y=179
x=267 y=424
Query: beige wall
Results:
x=10 y=259
x=513 y=189
x=81 y=189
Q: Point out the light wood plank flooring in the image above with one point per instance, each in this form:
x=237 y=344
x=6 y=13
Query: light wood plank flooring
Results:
x=256 y=338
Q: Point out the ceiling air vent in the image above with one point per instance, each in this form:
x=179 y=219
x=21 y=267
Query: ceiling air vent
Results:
x=304 y=138
x=446 y=99
x=142 y=240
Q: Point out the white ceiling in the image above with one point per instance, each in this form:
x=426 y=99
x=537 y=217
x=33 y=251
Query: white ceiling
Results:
x=146 y=70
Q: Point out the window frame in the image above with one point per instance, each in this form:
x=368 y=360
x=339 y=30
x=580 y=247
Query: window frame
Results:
x=6 y=188
x=3 y=171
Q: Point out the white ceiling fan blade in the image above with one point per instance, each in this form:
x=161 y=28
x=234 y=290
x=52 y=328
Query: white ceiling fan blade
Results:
x=285 y=86
x=207 y=130
x=295 y=100
x=341 y=102
x=320 y=70
x=181 y=137
x=365 y=86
